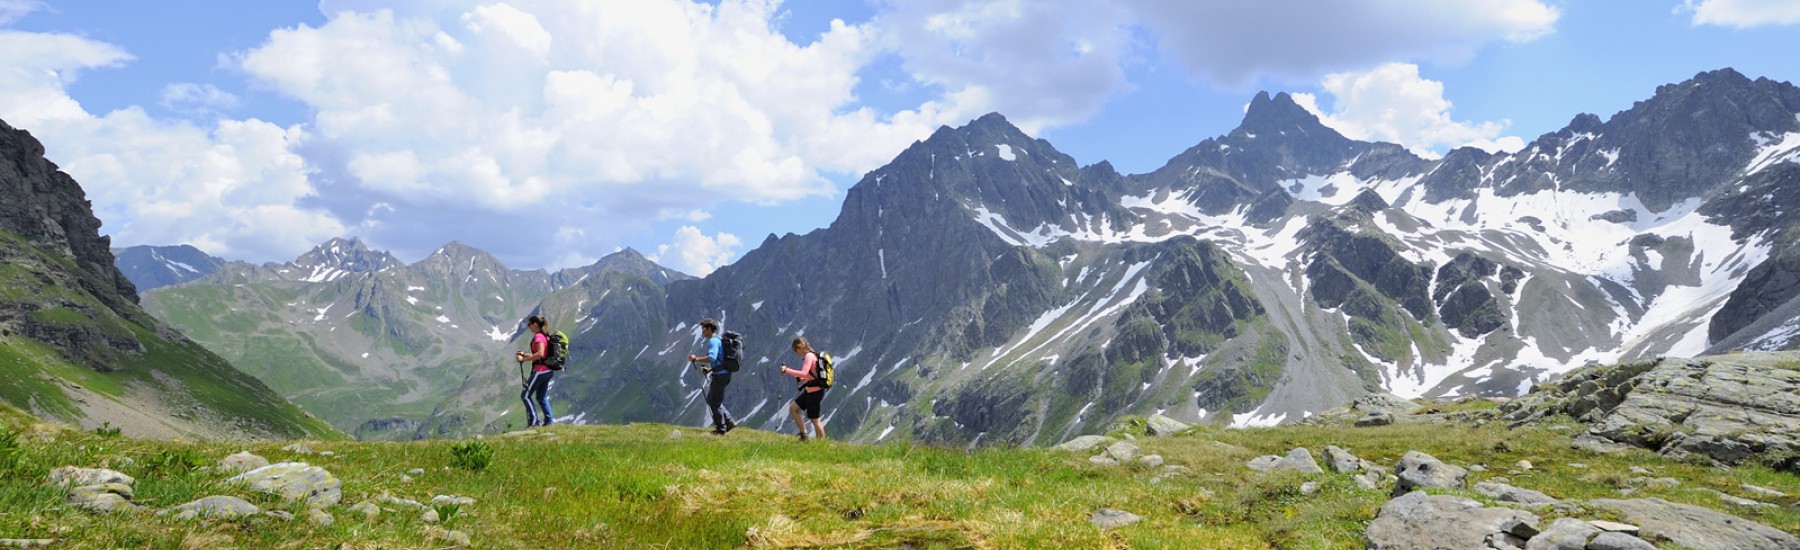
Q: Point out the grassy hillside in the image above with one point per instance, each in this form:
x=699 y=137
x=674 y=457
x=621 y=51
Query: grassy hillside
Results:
x=637 y=487
x=70 y=356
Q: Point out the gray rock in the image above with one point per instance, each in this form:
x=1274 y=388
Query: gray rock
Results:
x=416 y=472
x=327 y=453
x=1122 y=451
x=1103 y=460
x=1151 y=460
x=1522 y=465
x=26 y=543
x=1419 y=470
x=1477 y=468
x=1696 y=527
x=452 y=500
x=1618 y=541
x=242 y=462
x=1596 y=444
x=282 y=515
x=1564 y=534
x=396 y=501
x=298 y=448
x=1725 y=408
x=1740 y=501
x=368 y=509
x=320 y=518
x=1309 y=487
x=215 y=507
x=430 y=516
x=1109 y=519
x=675 y=434
x=1160 y=425
x=294 y=481
x=458 y=539
x=1507 y=493
x=1654 y=482
x=1613 y=526
x=405 y=478
x=1761 y=491
x=1263 y=463
x=1342 y=461
x=1169 y=471
x=103 y=498
x=1417 y=520
x=1640 y=470
x=71 y=475
x=1578 y=465
x=1375 y=419
x=1369 y=480
x=1083 y=443
x=1299 y=460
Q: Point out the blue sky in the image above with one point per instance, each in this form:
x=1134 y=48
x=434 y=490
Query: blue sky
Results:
x=552 y=133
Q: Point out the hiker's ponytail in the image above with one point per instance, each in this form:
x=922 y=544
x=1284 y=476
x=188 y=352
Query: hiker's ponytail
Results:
x=543 y=326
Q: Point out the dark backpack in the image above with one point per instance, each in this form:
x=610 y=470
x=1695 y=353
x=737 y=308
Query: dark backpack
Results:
x=823 y=374
x=731 y=355
x=557 y=354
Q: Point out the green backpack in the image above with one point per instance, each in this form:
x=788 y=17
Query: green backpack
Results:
x=557 y=355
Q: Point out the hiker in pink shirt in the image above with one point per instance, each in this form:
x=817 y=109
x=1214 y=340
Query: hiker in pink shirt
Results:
x=811 y=391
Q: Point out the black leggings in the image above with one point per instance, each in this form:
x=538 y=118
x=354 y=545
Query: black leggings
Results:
x=715 y=400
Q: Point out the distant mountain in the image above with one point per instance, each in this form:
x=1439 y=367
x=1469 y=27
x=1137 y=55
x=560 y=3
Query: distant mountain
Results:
x=985 y=288
x=78 y=348
x=151 y=267
x=367 y=342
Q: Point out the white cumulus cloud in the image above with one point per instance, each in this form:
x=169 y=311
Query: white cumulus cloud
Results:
x=1393 y=103
x=1743 y=13
x=12 y=10
x=189 y=97
x=695 y=253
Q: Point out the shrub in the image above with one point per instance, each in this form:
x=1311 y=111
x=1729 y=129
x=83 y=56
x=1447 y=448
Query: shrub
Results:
x=474 y=456
x=178 y=461
x=106 y=430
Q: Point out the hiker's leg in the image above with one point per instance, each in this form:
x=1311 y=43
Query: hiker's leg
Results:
x=715 y=400
x=540 y=389
x=530 y=414
x=724 y=413
x=794 y=412
x=818 y=428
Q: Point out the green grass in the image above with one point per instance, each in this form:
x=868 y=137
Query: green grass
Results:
x=635 y=487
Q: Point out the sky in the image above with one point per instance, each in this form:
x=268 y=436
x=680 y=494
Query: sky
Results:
x=551 y=133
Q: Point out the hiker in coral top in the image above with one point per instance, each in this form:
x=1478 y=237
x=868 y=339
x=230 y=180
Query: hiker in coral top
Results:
x=811 y=392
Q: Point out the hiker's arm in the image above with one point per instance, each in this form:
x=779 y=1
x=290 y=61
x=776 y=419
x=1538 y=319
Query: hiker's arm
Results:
x=537 y=351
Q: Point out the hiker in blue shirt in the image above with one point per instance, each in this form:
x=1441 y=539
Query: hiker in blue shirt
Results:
x=720 y=373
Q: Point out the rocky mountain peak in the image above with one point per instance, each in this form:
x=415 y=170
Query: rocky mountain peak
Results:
x=339 y=257
x=48 y=209
x=1279 y=115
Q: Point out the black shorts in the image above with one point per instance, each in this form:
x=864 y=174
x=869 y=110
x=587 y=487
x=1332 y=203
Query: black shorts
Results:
x=809 y=402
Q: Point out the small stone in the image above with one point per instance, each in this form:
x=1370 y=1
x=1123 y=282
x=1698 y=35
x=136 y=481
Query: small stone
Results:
x=327 y=453
x=368 y=509
x=1122 y=451
x=1309 y=487
x=1368 y=480
x=1578 y=465
x=215 y=507
x=1263 y=463
x=1299 y=460
x=1375 y=419
x=1129 y=437
x=242 y=462
x=458 y=538
x=1640 y=470
x=1654 y=483
x=70 y=475
x=1477 y=468
x=405 y=478
x=1741 y=501
x=1522 y=465
x=320 y=518
x=396 y=501
x=1613 y=526
x=1151 y=460
x=549 y=492
x=283 y=515
x=298 y=448
x=430 y=516
x=1103 y=460
x=452 y=500
x=1507 y=493
x=675 y=435
x=1341 y=461
x=1618 y=541
x=26 y=543
x=1159 y=425
x=416 y=471
x=123 y=462
x=1109 y=519
x=294 y=481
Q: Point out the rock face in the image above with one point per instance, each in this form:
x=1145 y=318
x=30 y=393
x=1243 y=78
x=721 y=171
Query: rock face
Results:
x=1696 y=527
x=1726 y=408
x=294 y=481
x=1417 y=520
x=149 y=267
x=1420 y=470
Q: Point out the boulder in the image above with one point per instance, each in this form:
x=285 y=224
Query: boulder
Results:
x=1342 y=461
x=1725 y=408
x=294 y=481
x=1507 y=493
x=1109 y=519
x=1420 y=470
x=1160 y=425
x=1375 y=419
x=1417 y=520
x=215 y=507
x=102 y=498
x=242 y=462
x=1263 y=463
x=1151 y=460
x=1696 y=527
x=71 y=475
x=1084 y=443
x=1564 y=534
x=1122 y=451
x=430 y=516
x=1299 y=460
x=1618 y=541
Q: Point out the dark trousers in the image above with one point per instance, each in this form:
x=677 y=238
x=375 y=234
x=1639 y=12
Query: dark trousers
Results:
x=715 y=400
x=536 y=396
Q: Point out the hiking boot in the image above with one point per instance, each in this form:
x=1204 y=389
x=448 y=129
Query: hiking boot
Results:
x=717 y=431
x=730 y=426
x=803 y=438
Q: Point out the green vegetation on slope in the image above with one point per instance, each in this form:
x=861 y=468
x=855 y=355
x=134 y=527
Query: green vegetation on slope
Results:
x=638 y=487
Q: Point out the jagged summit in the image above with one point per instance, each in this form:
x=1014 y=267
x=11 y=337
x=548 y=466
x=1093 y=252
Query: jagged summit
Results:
x=338 y=257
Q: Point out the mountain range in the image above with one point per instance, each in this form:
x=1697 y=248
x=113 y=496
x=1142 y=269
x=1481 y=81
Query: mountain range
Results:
x=985 y=288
